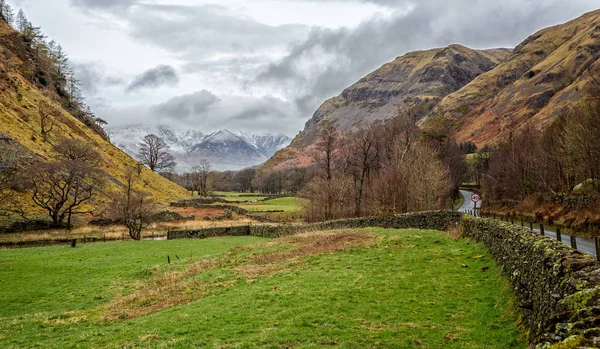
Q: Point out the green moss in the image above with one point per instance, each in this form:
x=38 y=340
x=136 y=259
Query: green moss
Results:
x=580 y=300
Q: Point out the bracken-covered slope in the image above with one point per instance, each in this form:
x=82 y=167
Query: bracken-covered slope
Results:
x=417 y=78
x=20 y=120
x=545 y=73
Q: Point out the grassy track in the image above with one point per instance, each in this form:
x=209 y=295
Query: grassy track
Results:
x=358 y=289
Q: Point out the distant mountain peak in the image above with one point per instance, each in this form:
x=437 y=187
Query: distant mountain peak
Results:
x=224 y=149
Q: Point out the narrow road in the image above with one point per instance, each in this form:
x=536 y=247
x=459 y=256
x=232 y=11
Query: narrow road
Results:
x=584 y=245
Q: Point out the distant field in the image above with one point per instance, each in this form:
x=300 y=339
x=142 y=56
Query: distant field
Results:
x=234 y=196
x=288 y=204
x=352 y=289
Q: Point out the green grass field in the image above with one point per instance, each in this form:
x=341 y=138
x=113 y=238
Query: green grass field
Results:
x=287 y=204
x=355 y=289
x=234 y=196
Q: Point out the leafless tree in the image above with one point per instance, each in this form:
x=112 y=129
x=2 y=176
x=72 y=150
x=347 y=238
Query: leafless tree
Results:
x=62 y=187
x=362 y=155
x=46 y=112
x=11 y=165
x=154 y=153
x=244 y=179
x=200 y=178
x=131 y=206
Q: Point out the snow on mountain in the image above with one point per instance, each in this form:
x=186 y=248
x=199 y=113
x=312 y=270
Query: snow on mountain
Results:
x=267 y=144
x=224 y=149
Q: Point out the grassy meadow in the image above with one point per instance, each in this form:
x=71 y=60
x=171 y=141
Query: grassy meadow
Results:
x=350 y=289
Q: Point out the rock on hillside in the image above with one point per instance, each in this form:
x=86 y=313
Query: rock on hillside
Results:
x=417 y=78
x=544 y=74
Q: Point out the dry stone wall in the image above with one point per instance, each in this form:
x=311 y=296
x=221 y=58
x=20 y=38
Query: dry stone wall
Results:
x=557 y=288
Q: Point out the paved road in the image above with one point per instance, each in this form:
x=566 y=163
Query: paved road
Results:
x=584 y=245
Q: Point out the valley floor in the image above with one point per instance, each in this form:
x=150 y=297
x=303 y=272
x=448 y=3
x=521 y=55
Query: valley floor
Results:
x=352 y=289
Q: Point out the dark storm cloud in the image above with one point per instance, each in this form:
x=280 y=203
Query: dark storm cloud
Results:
x=330 y=60
x=163 y=75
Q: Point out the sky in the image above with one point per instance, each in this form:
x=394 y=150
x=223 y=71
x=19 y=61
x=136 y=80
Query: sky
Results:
x=260 y=65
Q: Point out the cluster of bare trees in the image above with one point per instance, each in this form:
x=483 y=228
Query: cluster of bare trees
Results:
x=69 y=183
x=548 y=162
x=389 y=168
x=131 y=206
x=199 y=180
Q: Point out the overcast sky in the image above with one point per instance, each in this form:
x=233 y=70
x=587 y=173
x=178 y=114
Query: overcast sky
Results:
x=261 y=65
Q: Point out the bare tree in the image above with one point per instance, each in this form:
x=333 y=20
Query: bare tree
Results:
x=154 y=153
x=46 y=112
x=200 y=178
x=244 y=179
x=131 y=206
x=11 y=165
x=362 y=154
x=62 y=187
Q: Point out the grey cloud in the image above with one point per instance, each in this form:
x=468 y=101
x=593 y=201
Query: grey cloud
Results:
x=103 y=3
x=186 y=107
x=200 y=31
x=330 y=60
x=93 y=76
x=155 y=77
x=203 y=110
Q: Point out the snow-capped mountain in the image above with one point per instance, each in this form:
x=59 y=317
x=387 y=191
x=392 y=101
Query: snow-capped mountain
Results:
x=225 y=150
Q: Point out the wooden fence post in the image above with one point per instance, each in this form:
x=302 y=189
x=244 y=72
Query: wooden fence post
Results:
x=531 y=225
x=558 y=234
x=597 y=239
x=522 y=222
x=573 y=241
x=542 y=229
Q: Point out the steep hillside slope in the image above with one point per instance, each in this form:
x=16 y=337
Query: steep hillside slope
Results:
x=20 y=101
x=417 y=78
x=545 y=73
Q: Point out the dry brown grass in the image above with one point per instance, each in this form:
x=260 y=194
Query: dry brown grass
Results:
x=116 y=232
x=170 y=288
x=454 y=233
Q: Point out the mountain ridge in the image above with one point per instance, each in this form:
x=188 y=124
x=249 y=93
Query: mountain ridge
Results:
x=480 y=95
x=224 y=149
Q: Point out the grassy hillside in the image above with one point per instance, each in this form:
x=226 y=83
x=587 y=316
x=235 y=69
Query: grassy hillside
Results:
x=370 y=288
x=20 y=120
x=544 y=74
